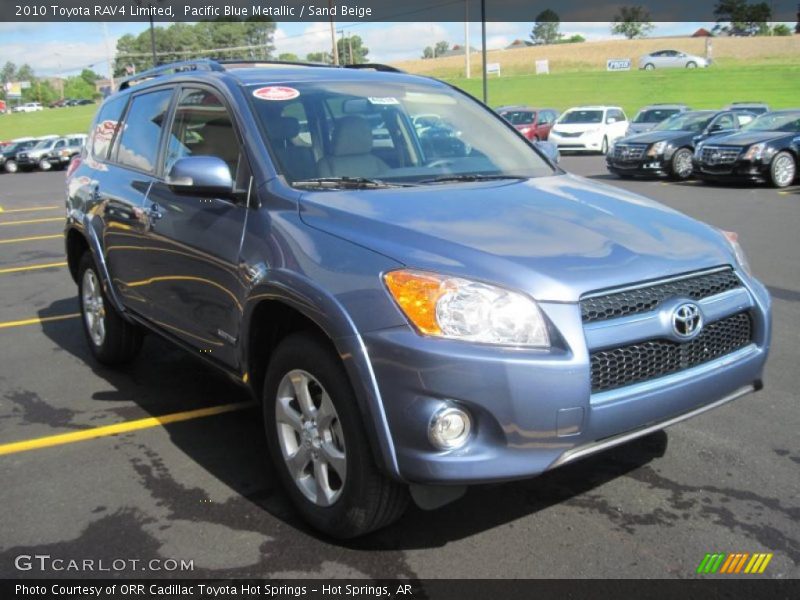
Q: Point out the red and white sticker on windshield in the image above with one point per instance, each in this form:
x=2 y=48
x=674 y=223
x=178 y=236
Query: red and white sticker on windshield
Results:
x=276 y=92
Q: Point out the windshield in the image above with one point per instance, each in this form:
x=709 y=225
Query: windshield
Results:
x=397 y=133
x=581 y=116
x=686 y=122
x=789 y=122
x=518 y=117
x=43 y=144
x=655 y=115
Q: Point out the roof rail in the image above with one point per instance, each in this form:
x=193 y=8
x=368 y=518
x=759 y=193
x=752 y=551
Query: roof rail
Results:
x=375 y=67
x=255 y=62
x=171 y=68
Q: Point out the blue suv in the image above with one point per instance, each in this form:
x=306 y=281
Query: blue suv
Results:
x=417 y=308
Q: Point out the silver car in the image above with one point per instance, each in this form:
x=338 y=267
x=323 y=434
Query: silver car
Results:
x=671 y=59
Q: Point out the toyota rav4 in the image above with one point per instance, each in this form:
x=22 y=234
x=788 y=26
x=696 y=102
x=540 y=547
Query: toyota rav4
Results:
x=415 y=314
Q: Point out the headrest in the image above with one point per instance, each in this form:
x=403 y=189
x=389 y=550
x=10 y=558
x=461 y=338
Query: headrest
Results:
x=284 y=128
x=353 y=135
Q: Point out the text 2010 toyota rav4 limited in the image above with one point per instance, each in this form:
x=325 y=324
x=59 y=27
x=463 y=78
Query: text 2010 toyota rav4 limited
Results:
x=418 y=309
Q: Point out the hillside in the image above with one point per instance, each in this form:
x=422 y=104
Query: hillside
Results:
x=593 y=55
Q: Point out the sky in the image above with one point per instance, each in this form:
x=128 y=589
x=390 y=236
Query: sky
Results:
x=66 y=48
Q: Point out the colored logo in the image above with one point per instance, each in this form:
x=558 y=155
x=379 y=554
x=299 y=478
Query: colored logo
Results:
x=687 y=320
x=734 y=563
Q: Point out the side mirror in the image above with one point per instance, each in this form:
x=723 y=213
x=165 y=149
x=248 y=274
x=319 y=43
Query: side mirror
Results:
x=715 y=128
x=201 y=176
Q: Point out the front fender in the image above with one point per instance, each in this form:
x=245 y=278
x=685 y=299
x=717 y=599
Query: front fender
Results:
x=330 y=316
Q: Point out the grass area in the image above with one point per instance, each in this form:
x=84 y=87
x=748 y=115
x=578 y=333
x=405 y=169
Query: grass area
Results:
x=778 y=85
x=55 y=121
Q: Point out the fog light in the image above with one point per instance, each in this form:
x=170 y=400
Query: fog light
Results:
x=449 y=428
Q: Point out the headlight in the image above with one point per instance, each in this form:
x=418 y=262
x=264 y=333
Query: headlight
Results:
x=456 y=308
x=733 y=241
x=657 y=149
x=525 y=130
x=759 y=152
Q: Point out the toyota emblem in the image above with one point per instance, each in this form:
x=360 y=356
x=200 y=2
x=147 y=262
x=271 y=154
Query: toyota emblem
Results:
x=687 y=320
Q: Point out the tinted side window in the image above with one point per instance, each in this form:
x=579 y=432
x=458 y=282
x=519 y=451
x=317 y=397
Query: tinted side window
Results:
x=105 y=127
x=138 y=147
x=725 y=122
x=202 y=127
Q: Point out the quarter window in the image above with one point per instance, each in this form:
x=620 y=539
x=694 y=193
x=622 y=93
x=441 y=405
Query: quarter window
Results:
x=138 y=147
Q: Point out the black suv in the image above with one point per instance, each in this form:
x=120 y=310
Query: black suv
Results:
x=767 y=149
x=667 y=148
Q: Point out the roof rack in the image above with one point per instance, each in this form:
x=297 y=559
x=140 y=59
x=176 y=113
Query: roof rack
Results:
x=207 y=64
x=171 y=68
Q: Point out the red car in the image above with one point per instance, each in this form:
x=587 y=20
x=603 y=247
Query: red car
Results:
x=533 y=123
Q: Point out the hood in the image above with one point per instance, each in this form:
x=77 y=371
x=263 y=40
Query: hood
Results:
x=746 y=138
x=555 y=237
x=640 y=127
x=575 y=127
x=651 y=137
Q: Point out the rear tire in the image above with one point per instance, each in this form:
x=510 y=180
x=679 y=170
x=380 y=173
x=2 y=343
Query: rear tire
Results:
x=691 y=65
x=112 y=339
x=320 y=448
x=649 y=67
x=680 y=167
x=782 y=170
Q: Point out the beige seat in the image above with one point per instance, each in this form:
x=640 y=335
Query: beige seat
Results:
x=219 y=140
x=352 y=151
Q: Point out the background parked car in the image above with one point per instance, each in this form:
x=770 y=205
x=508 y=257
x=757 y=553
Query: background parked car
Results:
x=757 y=108
x=667 y=148
x=37 y=156
x=653 y=114
x=65 y=150
x=767 y=149
x=671 y=59
x=9 y=152
x=28 y=107
x=589 y=128
x=533 y=123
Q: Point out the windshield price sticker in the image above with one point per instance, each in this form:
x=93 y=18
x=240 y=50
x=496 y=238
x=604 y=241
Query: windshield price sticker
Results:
x=276 y=92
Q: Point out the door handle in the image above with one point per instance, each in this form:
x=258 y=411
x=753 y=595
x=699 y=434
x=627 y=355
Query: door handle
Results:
x=154 y=212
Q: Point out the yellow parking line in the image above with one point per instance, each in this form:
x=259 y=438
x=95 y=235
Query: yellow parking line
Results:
x=32 y=267
x=32 y=238
x=29 y=209
x=29 y=221
x=36 y=320
x=107 y=430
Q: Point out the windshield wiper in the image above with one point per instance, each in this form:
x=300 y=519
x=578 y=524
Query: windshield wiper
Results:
x=350 y=183
x=470 y=177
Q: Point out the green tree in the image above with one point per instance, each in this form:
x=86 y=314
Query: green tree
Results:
x=289 y=56
x=739 y=18
x=781 y=29
x=319 y=57
x=441 y=48
x=545 y=31
x=427 y=52
x=90 y=76
x=632 y=22
x=352 y=50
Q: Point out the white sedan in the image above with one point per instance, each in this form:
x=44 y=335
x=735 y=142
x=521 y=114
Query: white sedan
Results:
x=28 y=107
x=589 y=128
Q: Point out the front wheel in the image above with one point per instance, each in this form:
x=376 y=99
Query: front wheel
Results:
x=681 y=164
x=111 y=338
x=649 y=67
x=44 y=164
x=318 y=443
x=11 y=166
x=782 y=170
x=691 y=65
x=604 y=146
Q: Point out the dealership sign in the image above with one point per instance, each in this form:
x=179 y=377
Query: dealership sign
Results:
x=618 y=64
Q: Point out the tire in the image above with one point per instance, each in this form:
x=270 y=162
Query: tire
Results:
x=604 y=146
x=649 y=67
x=680 y=167
x=782 y=170
x=691 y=65
x=11 y=166
x=45 y=165
x=112 y=340
x=355 y=497
x=536 y=139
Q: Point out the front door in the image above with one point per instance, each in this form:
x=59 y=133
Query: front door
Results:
x=195 y=274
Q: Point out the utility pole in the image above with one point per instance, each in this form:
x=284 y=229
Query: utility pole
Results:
x=333 y=35
x=467 y=66
x=483 y=51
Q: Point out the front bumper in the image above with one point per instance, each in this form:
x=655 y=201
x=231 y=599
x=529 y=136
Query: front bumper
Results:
x=583 y=143
x=533 y=410
x=741 y=170
x=656 y=165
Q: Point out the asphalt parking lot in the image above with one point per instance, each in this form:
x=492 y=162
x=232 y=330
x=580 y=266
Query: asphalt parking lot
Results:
x=202 y=490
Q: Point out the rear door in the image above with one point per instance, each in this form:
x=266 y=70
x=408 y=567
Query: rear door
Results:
x=192 y=267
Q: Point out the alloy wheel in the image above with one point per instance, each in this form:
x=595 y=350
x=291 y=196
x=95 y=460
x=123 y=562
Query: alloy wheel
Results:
x=683 y=164
x=783 y=170
x=93 y=308
x=310 y=437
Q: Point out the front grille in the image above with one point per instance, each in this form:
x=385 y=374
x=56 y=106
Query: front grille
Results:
x=629 y=151
x=719 y=155
x=617 y=367
x=644 y=299
x=569 y=134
